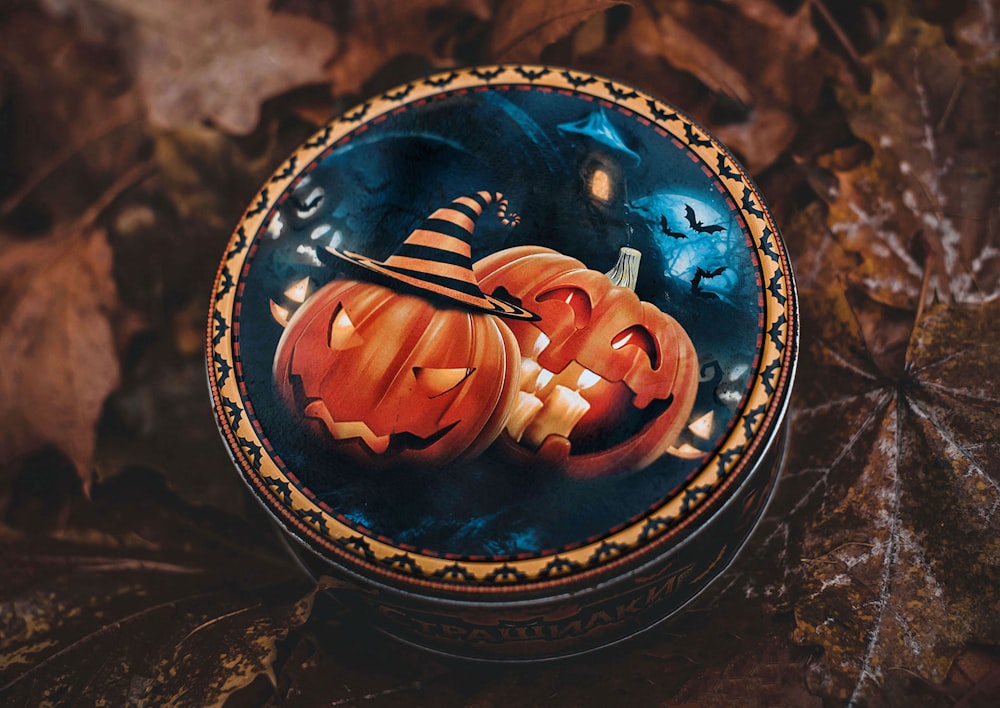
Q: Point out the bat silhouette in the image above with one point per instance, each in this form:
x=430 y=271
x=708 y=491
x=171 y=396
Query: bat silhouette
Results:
x=660 y=114
x=319 y=139
x=287 y=171
x=226 y=283
x=766 y=246
x=699 y=275
x=578 y=81
x=749 y=205
x=774 y=286
x=442 y=81
x=697 y=225
x=399 y=95
x=726 y=171
x=714 y=273
x=241 y=242
x=620 y=93
x=357 y=115
x=486 y=74
x=531 y=75
x=694 y=139
x=665 y=228
x=260 y=205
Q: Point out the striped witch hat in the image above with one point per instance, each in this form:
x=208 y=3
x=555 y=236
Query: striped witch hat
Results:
x=437 y=256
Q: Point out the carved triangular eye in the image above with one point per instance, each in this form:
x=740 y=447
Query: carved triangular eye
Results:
x=343 y=333
x=638 y=336
x=438 y=381
x=576 y=298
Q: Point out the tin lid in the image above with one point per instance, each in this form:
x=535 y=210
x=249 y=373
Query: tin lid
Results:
x=502 y=330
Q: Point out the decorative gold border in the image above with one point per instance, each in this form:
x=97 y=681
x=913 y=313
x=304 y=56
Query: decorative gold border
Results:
x=751 y=433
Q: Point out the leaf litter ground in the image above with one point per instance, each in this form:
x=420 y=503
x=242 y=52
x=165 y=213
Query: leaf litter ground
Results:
x=874 y=578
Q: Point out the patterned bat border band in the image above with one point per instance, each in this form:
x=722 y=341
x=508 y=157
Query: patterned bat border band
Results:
x=645 y=537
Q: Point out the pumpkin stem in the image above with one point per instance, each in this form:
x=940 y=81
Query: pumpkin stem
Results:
x=625 y=274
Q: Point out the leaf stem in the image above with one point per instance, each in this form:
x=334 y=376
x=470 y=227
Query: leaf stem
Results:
x=212 y=621
x=93 y=564
x=124 y=182
x=841 y=35
x=106 y=629
x=61 y=157
x=949 y=109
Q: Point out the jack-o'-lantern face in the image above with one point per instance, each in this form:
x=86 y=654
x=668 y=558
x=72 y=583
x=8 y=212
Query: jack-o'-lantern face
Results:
x=607 y=381
x=392 y=379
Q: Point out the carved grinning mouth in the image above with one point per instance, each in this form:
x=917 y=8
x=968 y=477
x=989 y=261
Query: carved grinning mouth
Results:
x=552 y=403
x=347 y=431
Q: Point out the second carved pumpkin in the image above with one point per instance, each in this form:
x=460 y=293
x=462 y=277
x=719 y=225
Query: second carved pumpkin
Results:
x=607 y=381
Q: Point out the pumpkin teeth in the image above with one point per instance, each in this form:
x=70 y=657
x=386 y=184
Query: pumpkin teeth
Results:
x=548 y=403
x=540 y=344
x=587 y=379
x=530 y=369
x=562 y=410
x=525 y=409
x=542 y=379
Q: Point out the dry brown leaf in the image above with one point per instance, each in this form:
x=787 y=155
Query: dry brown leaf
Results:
x=73 y=123
x=978 y=32
x=787 y=64
x=209 y=176
x=768 y=65
x=523 y=28
x=216 y=61
x=767 y=132
x=56 y=344
x=664 y=35
x=766 y=676
x=143 y=600
x=931 y=122
x=383 y=30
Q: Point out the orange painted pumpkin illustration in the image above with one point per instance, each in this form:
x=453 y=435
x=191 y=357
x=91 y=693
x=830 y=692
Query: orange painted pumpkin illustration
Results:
x=607 y=381
x=393 y=379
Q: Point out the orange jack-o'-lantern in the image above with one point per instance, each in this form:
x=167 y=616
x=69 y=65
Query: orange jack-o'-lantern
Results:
x=392 y=378
x=607 y=381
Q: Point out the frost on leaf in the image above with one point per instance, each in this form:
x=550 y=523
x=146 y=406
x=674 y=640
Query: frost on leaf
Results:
x=930 y=120
x=901 y=546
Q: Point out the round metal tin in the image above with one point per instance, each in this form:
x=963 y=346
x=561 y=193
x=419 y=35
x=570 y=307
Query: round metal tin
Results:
x=508 y=349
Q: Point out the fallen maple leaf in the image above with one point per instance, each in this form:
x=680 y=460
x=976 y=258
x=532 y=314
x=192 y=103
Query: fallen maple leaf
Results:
x=56 y=344
x=218 y=61
x=891 y=534
x=902 y=536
